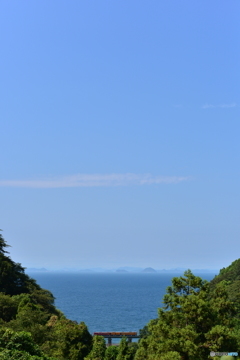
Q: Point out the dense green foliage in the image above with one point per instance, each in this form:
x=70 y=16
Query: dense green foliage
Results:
x=13 y=280
x=98 y=349
x=111 y=353
x=19 y=345
x=231 y=276
x=30 y=325
x=197 y=317
x=126 y=351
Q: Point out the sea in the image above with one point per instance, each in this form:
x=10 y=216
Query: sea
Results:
x=109 y=301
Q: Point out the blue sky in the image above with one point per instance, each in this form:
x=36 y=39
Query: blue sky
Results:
x=120 y=133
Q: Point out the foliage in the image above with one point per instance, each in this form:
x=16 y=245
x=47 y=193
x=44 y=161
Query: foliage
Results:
x=19 y=345
x=67 y=339
x=98 y=349
x=197 y=317
x=144 y=332
x=8 y=307
x=3 y=245
x=13 y=280
x=126 y=350
x=191 y=323
x=111 y=353
x=30 y=325
x=231 y=276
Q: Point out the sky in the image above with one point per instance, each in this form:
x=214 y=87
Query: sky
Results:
x=120 y=133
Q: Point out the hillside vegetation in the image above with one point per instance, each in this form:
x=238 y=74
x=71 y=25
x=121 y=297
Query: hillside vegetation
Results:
x=31 y=327
x=197 y=317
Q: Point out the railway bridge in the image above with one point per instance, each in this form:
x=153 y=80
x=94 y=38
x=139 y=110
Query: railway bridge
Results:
x=117 y=335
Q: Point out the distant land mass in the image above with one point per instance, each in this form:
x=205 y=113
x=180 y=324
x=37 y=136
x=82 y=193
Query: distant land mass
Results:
x=124 y=269
x=130 y=268
x=36 y=269
x=121 y=271
x=149 y=270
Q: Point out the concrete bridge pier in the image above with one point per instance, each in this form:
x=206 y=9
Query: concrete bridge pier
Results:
x=109 y=341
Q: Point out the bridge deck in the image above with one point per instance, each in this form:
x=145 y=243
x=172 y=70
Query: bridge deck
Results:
x=120 y=336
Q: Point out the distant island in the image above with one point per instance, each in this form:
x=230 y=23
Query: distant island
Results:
x=149 y=270
x=125 y=269
x=121 y=271
x=36 y=269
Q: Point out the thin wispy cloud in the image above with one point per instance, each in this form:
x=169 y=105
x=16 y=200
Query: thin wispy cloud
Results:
x=94 y=180
x=209 y=106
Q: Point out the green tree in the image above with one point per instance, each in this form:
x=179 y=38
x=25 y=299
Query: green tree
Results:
x=122 y=349
x=3 y=245
x=126 y=350
x=67 y=340
x=13 y=280
x=8 y=307
x=231 y=276
x=111 y=353
x=191 y=323
x=26 y=308
x=31 y=318
x=44 y=299
x=98 y=349
x=19 y=345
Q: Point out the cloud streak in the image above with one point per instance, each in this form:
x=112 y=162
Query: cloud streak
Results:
x=224 y=106
x=94 y=180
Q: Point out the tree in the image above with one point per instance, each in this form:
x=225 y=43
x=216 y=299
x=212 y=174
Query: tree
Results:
x=3 y=245
x=19 y=345
x=98 y=349
x=111 y=353
x=67 y=339
x=26 y=308
x=231 y=276
x=31 y=318
x=13 y=280
x=126 y=350
x=8 y=307
x=191 y=323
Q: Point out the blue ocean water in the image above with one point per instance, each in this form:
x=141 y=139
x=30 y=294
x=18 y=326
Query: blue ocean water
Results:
x=108 y=302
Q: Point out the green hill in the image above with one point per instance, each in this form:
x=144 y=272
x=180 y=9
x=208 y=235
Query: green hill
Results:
x=31 y=327
x=231 y=276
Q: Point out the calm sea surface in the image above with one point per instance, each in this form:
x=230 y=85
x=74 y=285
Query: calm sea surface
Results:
x=108 y=302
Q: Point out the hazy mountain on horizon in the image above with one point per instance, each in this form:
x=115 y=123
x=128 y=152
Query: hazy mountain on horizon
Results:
x=149 y=270
x=123 y=269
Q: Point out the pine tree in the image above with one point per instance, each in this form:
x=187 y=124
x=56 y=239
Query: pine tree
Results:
x=192 y=322
x=13 y=279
